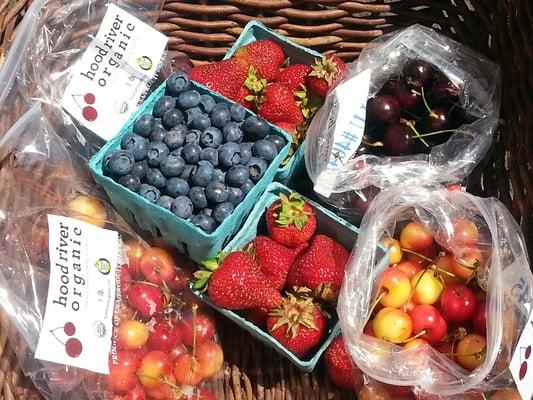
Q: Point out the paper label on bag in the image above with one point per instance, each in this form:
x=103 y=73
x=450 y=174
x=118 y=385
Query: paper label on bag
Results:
x=115 y=72
x=78 y=323
x=346 y=126
x=521 y=365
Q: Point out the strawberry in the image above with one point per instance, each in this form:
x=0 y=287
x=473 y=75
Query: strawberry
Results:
x=298 y=324
x=265 y=55
x=274 y=259
x=290 y=220
x=236 y=282
x=277 y=103
x=288 y=126
x=258 y=316
x=321 y=268
x=294 y=76
x=225 y=77
x=243 y=98
x=326 y=73
x=341 y=369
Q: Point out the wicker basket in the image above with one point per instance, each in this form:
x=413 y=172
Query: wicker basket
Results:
x=205 y=30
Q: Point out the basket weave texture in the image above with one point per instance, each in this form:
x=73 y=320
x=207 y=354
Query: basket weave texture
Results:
x=205 y=30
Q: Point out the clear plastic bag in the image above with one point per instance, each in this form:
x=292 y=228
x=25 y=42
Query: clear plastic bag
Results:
x=449 y=162
x=504 y=276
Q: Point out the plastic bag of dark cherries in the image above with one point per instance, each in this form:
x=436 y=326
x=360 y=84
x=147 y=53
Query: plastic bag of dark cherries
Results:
x=416 y=107
x=446 y=314
x=99 y=313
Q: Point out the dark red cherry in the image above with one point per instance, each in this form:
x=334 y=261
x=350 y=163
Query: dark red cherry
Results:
x=398 y=140
x=389 y=87
x=439 y=121
x=384 y=109
x=443 y=91
x=417 y=73
x=409 y=99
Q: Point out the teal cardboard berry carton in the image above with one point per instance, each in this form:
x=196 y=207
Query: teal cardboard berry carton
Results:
x=181 y=233
x=328 y=224
x=298 y=55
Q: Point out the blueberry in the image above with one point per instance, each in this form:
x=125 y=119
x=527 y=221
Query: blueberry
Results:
x=157 y=151
x=222 y=210
x=200 y=122
x=255 y=127
x=149 y=192
x=279 y=141
x=177 y=187
x=211 y=137
x=191 y=113
x=162 y=105
x=191 y=153
x=197 y=196
x=176 y=137
x=177 y=152
x=265 y=149
x=172 y=117
x=158 y=135
x=246 y=151
x=172 y=166
x=248 y=185
x=155 y=178
x=233 y=132
x=257 y=168
x=219 y=175
x=144 y=125
x=165 y=202
x=130 y=181
x=120 y=162
x=205 y=211
x=237 y=112
x=237 y=175
x=229 y=154
x=182 y=207
x=204 y=222
x=177 y=83
x=207 y=103
x=220 y=116
x=189 y=99
x=210 y=155
x=136 y=144
x=187 y=171
x=193 y=136
x=235 y=195
x=203 y=174
x=158 y=124
x=140 y=168
x=216 y=192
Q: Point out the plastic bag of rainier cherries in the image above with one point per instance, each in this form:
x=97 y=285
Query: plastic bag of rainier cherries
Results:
x=100 y=313
x=459 y=238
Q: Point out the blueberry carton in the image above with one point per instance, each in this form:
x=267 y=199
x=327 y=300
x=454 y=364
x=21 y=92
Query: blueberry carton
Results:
x=179 y=232
x=327 y=223
x=298 y=55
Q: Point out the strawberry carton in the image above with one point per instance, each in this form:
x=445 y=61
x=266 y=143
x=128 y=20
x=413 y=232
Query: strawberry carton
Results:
x=283 y=82
x=280 y=276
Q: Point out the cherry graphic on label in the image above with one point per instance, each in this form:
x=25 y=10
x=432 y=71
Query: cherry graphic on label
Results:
x=69 y=329
x=73 y=347
x=89 y=98
x=89 y=113
x=523 y=367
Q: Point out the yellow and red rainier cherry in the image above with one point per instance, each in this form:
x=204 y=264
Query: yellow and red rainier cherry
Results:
x=88 y=209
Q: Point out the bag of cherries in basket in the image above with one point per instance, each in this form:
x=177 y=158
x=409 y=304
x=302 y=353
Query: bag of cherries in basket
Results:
x=446 y=314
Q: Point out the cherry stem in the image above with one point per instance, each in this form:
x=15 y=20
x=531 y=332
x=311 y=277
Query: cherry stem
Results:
x=417 y=134
x=431 y=112
x=476 y=354
x=162 y=380
x=375 y=144
x=417 y=254
x=194 y=308
x=374 y=305
x=421 y=333
x=435 y=133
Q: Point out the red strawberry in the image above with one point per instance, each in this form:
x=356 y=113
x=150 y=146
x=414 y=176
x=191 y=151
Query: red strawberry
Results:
x=294 y=76
x=297 y=324
x=326 y=73
x=320 y=268
x=274 y=259
x=288 y=126
x=258 y=316
x=238 y=283
x=265 y=55
x=242 y=96
x=341 y=369
x=225 y=77
x=277 y=103
x=290 y=220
